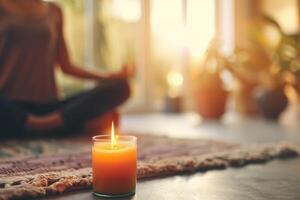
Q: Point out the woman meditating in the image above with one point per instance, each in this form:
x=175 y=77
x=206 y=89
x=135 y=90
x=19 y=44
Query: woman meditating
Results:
x=31 y=46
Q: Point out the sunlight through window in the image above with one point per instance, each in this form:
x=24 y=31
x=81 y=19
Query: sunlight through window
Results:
x=170 y=31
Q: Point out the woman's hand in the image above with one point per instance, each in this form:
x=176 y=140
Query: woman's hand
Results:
x=125 y=73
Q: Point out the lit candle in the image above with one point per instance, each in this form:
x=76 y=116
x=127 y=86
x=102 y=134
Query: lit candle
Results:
x=114 y=161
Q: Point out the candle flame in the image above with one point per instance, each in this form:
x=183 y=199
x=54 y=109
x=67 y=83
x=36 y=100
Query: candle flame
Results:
x=113 y=137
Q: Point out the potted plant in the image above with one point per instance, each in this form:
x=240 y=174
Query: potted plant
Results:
x=211 y=97
x=270 y=101
x=247 y=64
x=258 y=73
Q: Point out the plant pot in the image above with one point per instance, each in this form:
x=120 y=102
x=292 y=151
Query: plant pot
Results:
x=211 y=103
x=173 y=104
x=270 y=102
x=211 y=97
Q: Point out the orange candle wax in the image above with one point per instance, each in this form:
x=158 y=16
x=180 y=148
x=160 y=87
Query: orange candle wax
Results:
x=114 y=166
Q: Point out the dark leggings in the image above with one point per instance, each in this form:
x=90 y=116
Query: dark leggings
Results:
x=75 y=110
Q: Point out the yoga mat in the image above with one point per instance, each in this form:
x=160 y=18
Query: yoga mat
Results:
x=37 y=168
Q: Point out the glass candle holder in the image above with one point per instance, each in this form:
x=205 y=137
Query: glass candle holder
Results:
x=114 y=163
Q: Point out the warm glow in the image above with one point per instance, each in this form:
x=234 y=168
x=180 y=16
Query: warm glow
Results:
x=175 y=81
x=173 y=35
x=126 y=10
x=113 y=136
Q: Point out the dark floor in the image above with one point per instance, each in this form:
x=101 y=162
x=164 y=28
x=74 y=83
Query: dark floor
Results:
x=279 y=179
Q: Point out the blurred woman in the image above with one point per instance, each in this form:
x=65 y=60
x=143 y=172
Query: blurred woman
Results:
x=31 y=46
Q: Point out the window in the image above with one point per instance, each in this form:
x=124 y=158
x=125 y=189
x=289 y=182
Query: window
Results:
x=160 y=37
x=181 y=31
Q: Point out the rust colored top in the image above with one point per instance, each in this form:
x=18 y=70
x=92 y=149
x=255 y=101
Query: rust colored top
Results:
x=28 y=54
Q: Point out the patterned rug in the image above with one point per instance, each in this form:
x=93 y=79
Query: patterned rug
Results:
x=37 y=168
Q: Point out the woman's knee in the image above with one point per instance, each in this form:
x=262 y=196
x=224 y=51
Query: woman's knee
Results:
x=122 y=89
x=119 y=90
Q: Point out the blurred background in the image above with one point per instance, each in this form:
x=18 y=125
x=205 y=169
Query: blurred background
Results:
x=211 y=57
